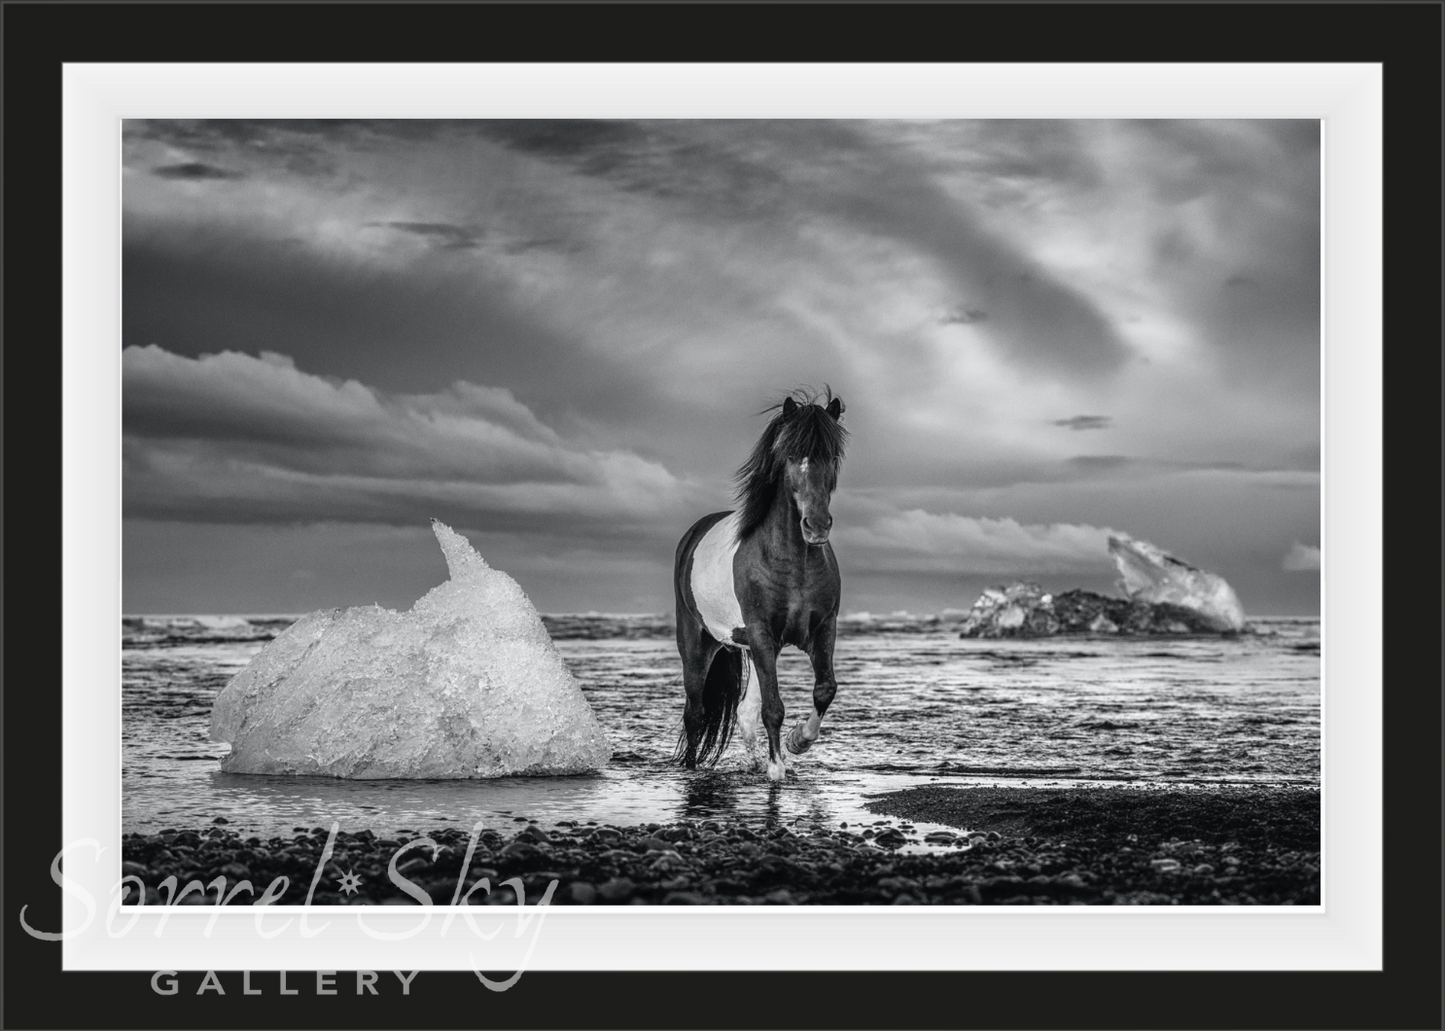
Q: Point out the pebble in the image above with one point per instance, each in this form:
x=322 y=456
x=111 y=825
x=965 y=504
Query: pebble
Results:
x=616 y=890
x=534 y=836
x=684 y=898
x=581 y=893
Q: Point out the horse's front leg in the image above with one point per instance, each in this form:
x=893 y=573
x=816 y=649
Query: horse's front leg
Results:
x=765 y=666
x=820 y=653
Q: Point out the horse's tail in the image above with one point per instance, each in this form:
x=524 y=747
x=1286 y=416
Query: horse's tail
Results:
x=721 y=693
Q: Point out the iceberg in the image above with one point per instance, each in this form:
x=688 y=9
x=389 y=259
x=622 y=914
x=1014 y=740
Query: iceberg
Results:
x=1148 y=574
x=1164 y=595
x=467 y=684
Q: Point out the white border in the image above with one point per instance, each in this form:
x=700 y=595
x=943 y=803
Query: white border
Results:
x=1343 y=934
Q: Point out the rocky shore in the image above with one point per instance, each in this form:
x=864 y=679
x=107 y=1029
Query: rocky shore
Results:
x=1099 y=846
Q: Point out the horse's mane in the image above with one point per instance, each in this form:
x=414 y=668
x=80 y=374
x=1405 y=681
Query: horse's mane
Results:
x=806 y=432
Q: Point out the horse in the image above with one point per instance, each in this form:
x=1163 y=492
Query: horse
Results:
x=752 y=580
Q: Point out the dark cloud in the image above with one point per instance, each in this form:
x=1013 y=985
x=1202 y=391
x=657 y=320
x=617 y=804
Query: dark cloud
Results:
x=965 y=316
x=700 y=164
x=1104 y=462
x=204 y=291
x=556 y=244
x=195 y=170
x=444 y=235
x=298 y=146
x=595 y=142
x=1086 y=422
x=1145 y=467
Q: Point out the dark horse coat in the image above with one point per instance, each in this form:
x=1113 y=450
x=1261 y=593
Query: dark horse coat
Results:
x=749 y=582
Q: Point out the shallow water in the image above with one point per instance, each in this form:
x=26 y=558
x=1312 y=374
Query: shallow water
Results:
x=915 y=705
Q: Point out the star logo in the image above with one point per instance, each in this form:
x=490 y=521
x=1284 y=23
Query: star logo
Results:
x=350 y=883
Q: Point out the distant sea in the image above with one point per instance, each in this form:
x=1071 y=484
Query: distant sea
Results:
x=916 y=704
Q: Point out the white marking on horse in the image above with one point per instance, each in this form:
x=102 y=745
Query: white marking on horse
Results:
x=778 y=768
x=804 y=733
x=750 y=711
x=713 y=590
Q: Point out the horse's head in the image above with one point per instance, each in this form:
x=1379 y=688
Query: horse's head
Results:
x=810 y=475
x=796 y=459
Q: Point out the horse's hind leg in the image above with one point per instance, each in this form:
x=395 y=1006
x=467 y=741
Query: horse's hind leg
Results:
x=820 y=653
x=698 y=650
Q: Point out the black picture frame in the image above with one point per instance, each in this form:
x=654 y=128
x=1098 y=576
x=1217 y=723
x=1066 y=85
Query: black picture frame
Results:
x=1405 y=37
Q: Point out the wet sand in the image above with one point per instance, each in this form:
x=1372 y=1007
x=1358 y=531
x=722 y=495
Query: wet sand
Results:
x=1012 y=846
x=1194 y=846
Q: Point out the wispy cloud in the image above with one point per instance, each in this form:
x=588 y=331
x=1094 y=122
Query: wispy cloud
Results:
x=933 y=542
x=1301 y=558
x=441 y=234
x=236 y=438
x=1086 y=422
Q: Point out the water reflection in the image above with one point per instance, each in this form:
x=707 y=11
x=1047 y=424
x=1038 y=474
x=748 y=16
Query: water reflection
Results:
x=707 y=794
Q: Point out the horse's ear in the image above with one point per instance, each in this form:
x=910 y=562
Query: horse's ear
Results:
x=835 y=408
x=789 y=406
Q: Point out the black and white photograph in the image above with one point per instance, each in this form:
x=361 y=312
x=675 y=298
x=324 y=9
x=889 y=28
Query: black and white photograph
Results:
x=722 y=512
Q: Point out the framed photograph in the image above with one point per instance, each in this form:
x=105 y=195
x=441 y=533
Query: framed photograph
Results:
x=540 y=534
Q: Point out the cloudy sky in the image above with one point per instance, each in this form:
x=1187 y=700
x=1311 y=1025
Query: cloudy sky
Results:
x=555 y=336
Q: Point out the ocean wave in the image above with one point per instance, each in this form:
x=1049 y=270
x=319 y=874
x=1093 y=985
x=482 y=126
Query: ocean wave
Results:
x=173 y=631
x=180 y=630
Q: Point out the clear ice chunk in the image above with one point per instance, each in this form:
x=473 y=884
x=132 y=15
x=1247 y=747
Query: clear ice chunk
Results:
x=1149 y=574
x=467 y=684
